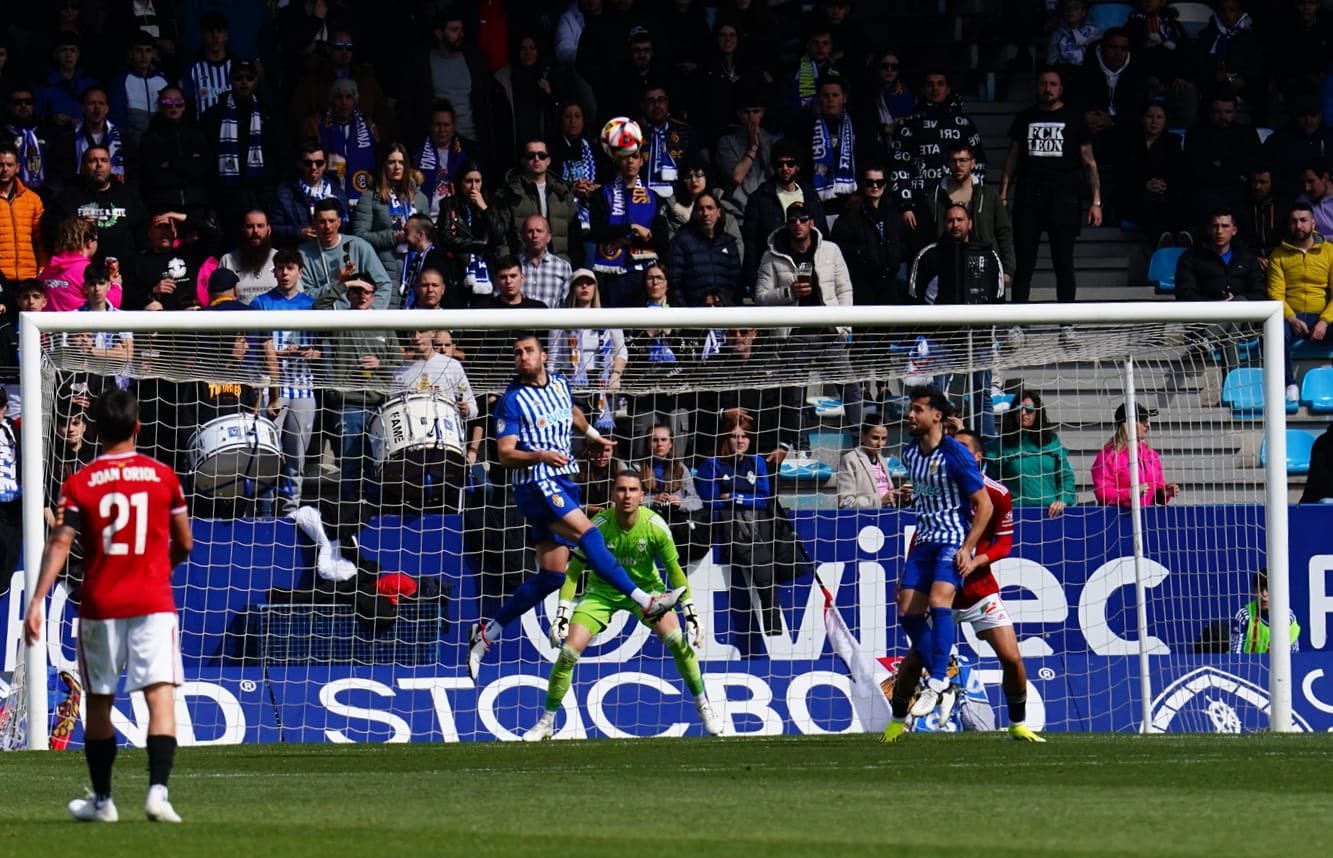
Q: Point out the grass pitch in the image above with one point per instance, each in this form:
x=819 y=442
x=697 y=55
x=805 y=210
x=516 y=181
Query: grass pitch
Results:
x=969 y=794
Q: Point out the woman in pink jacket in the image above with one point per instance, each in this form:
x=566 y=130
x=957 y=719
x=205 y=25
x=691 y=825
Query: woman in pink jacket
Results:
x=75 y=246
x=1110 y=470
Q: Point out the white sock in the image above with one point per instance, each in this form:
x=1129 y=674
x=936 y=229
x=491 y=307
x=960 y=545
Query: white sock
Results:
x=492 y=631
x=157 y=792
x=940 y=685
x=701 y=698
x=642 y=599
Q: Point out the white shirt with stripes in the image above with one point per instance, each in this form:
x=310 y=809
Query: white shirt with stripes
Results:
x=943 y=482
x=541 y=417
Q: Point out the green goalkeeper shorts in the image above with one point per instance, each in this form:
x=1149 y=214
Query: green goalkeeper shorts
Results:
x=595 y=610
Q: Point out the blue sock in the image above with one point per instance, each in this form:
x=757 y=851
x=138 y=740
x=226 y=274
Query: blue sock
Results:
x=942 y=635
x=604 y=563
x=528 y=594
x=918 y=632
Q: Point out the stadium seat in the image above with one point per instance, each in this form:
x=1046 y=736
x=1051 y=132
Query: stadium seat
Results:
x=1162 y=268
x=1317 y=390
x=1002 y=403
x=897 y=470
x=1243 y=391
x=1193 y=17
x=826 y=407
x=1264 y=134
x=1313 y=348
x=1299 y=445
x=1104 y=16
x=802 y=465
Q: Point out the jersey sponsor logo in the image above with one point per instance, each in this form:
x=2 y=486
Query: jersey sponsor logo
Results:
x=1046 y=139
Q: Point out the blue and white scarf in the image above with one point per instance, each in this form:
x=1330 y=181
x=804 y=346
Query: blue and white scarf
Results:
x=638 y=206
x=437 y=175
x=229 y=160
x=351 y=150
x=582 y=168
x=111 y=139
x=833 y=177
x=661 y=167
x=1225 y=34
x=32 y=160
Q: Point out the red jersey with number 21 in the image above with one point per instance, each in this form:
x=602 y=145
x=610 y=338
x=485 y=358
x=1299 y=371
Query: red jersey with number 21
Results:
x=997 y=540
x=122 y=506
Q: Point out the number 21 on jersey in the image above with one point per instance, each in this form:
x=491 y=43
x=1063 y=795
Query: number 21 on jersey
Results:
x=122 y=511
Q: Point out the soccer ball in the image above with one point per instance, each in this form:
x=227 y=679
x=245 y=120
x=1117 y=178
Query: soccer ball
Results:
x=621 y=136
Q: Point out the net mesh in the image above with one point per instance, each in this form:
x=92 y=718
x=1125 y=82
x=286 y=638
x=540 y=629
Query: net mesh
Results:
x=353 y=524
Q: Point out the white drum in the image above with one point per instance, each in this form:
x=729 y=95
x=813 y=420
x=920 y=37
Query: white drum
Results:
x=417 y=421
x=234 y=456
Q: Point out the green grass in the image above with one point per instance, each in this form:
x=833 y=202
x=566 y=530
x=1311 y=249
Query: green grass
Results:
x=970 y=794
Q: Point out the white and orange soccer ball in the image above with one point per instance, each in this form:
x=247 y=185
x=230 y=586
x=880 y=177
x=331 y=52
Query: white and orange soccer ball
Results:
x=621 y=136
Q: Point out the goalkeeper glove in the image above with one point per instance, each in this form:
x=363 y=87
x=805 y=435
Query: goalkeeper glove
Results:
x=560 y=625
x=694 y=627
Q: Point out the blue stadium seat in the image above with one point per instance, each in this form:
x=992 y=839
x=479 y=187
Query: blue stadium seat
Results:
x=1104 y=16
x=1313 y=348
x=1243 y=391
x=1193 y=17
x=1162 y=268
x=1299 y=445
x=897 y=470
x=1317 y=389
x=802 y=465
x=1002 y=403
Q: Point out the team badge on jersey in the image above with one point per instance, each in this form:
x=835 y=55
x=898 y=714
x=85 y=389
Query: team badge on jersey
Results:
x=557 y=501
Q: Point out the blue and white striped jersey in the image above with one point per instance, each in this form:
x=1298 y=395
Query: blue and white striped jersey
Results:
x=942 y=485
x=542 y=419
x=206 y=82
x=296 y=378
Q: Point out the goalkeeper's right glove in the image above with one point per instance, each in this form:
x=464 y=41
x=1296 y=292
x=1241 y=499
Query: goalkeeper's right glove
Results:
x=694 y=627
x=560 y=625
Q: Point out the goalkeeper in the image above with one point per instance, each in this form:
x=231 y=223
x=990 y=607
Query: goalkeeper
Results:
x=639 y=538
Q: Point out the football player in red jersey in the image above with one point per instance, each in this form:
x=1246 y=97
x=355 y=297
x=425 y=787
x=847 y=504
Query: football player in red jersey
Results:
x=129 y=514
x=978 y=602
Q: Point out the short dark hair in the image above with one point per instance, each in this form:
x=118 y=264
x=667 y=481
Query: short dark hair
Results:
x=959 y=146
x=32 y=284
x=96 y=272
x=833 y=79
x=1299 y=206
x=116 y=414
x=7 y=147
x=520 y=336
x=1119 y=32
x=422 y=220
x=288 y=256
x=785 y=148
x=1318 y=166
x=504 y=263
x=936 y=397
x=1221 y=211
x=630 y=472
x=1261 y=579
x=309 y=146
x=328 y=204
x=93 y=148
x=969 y=433
x=443 y=105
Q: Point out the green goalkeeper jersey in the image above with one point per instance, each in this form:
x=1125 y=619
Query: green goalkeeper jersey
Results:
x=638 y=549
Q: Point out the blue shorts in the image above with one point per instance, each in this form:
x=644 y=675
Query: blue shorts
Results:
x=928 y=563
x=544 y=502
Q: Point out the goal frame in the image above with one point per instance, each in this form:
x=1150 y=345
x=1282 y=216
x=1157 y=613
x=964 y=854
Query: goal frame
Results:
x=1268 y=313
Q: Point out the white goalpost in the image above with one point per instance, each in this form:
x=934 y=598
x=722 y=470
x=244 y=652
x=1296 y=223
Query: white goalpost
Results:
x=1118 y=610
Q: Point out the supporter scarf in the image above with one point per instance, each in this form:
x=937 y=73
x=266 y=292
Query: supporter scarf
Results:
x=9 y=464
x=229 y=139
x=807 y=83
x=581 y=168
x=833 y=179
x=315 y=193
x=111 y=140
x=1112 y=78
x=661 y=166
x=355 y=146
x=1225 y=34
x=639 y=206
x=439 y=176
x=32 y=160
x=399 y=212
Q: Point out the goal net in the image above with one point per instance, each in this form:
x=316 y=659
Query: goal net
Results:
x=352 y=524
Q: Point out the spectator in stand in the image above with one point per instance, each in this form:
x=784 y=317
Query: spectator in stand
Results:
x=832 y=151
x=633 y=71
x=682 y=27
x=331 y=258
x=695 y=180
x=245 y=140
x=135 y=91
x=209 y=76
x=596 y=476
x=704 y=257
x=957 y=268
x=889 y=102
x=1218 y=156
x=864 y=481
x=21 y=126
x=255 y=261
x=93 y=129
x=744 y=155
x=469 y=232
x=729 y=71
x=113 y=207
x=1070 y=40
x=1234 y=57
x=758 y=30
x=531 y=189
x=1110 y=470
x=11 y=503
x=442 y=155
x=1150 y=179
x=990 y=218
x=333 y=60
x=589 y=357
x=1221 y=269
x=766 y=208
x=1031 y=460
x=850 y=49
x=381 y=216
x=1319 y=482
x=773 y=410
x=22 y=254
x=164 y=275
x=509 y=286
x=869 y=234
x=1250 y=628
x=545 y=275
x=1300 y=275
x=294 y=208
x=1317 y=190
x=574 y=160
x=530 y=75
x=173 y=157
x=75 y=244
x=1298 y=47
x=668 y=143
x=59 y=102
x=630 y=228
x=1257 y=218
x=1303 y=141
x=348 y=137
x=1158 y=39
x=919 y=143
x=1109 y=87
x=801 y=90
x=1049 y=148
x=668 y=488
x=424 y=256
x=460 y=76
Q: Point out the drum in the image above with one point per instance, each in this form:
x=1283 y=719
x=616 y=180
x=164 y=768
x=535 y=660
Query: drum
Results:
x=418 y=421
x=235 y=456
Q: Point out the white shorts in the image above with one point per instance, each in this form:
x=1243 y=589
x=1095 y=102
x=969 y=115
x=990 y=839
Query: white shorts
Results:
x=146 y=649
x=987 y=614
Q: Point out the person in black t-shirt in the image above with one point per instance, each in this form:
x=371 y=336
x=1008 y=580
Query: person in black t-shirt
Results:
x=1049 y=148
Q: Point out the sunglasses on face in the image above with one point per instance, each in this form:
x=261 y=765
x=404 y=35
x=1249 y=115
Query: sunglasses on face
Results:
x=889 y=66
x=536 y=156
x=243 y=77
x=172 y=102
x=874 y=183
x=799 y=219
x=1028 y=408
x=343 y=46
x=785 y=162
x=313 y=162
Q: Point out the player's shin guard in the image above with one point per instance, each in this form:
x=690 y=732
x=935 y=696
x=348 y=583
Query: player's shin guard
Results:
x=942 y=633
x=101 y=756
x=686 y=661
x=604 y=563
x=1018 y=707
x=161 y=757
x=562 y=673
x=918 y=631
x=528 y=595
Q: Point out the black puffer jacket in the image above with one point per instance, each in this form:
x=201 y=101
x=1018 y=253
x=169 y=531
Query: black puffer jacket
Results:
x=1202 y=275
